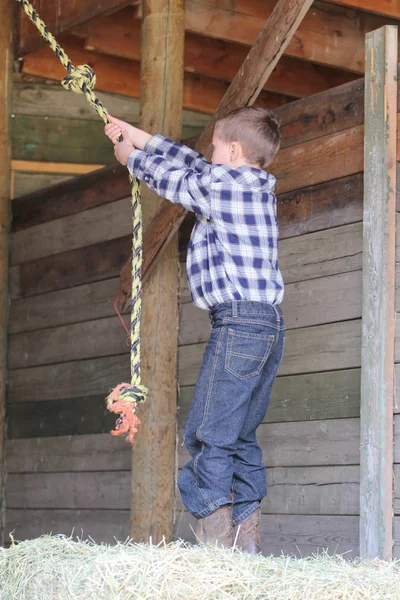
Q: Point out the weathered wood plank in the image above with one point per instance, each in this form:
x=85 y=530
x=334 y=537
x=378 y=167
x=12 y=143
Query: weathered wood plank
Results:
x=295 y=535
x=378 y=323
x=25 y=183
x=71 y=416
x=67 y=380
x=309 y=350
x=61 y=491
x=306 y=303
x=74 y=267
x=72 y=453
x=72 y=305
x=102 y=337
x=88 y=191
x=332 y=395
x=44 y=100
x=86 y=228
x=305 y=444
x=101 y=525
x=396 y=489
x=325 y=490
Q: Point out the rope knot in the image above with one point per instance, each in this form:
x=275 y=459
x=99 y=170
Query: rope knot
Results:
x=123 y=400
x=80 y=79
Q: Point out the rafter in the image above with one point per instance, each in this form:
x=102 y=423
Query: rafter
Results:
x=60 y=17
x=330 y=35
x=386 y=8
x=120 y=35
x=122 y=76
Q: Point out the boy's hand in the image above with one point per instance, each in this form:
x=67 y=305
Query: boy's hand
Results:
x=123 y=149
x=117 y=125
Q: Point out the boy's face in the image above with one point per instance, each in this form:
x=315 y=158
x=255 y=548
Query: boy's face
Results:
x=221 y=152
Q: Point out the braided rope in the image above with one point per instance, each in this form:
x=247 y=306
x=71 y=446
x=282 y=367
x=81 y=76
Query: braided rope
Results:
x=124 y=398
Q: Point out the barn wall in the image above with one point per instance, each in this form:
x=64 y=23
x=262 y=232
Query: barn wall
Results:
x=311 y=434
x=67 y=348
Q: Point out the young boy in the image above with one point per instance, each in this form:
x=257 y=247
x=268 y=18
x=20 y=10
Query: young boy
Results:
x=232 y=268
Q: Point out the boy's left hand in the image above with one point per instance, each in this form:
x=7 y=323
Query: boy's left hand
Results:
x=123 y=149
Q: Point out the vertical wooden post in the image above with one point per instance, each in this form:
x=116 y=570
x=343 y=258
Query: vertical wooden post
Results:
x=5 y=166
x=153 y=464
x=378 y=324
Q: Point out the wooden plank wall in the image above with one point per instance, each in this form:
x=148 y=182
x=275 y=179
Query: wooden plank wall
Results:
x=310 y=436
x=67 y=348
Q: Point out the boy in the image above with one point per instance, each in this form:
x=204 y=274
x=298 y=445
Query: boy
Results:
x=232 y=267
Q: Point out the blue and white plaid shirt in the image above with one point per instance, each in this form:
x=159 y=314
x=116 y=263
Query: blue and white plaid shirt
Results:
x=233 y=248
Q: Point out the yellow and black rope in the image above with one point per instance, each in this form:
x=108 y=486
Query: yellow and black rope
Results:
x=125 y=397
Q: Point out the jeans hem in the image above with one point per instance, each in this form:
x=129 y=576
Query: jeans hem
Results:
x=243 y=515
x=211 y=508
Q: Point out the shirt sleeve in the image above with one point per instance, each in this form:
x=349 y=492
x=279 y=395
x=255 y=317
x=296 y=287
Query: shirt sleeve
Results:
x=176 y=153
x=181 y=185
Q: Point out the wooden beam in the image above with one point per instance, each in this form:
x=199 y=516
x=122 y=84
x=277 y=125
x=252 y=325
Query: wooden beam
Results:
x=6 y=59
x=122 y=76
x=330 y=35
x=244 y=89
x=385 y=8
x=153 y=465
x=378 y=311
x=119 y=35
x=60 y=17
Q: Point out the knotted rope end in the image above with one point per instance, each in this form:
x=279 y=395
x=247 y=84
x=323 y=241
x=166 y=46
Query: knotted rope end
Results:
x=123 y=400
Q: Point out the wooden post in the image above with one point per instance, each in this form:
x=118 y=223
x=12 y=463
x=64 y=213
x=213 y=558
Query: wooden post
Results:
x=153 y=465
x=378 y=312
x=6 y=29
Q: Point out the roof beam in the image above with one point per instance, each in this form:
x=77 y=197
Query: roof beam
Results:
x=243 y=91
x=60 y=17
x=122 y=76
x=386 y=8
x=120 y=35
x=330 y=35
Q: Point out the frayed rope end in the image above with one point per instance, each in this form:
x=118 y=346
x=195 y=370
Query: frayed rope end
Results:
x=123 y=400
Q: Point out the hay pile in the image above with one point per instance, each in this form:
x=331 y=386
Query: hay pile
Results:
x=58 y=568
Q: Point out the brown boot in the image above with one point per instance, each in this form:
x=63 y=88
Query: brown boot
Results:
x=246 y=535
x=216 y=528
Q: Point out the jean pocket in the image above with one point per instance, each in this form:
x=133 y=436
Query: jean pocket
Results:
x=247 y=353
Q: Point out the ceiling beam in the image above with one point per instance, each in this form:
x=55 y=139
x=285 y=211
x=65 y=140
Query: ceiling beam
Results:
x=386 y=8
x=60 y=17
x=122 y=76
x=243 y=91
x=329 y=35
x=120 y=35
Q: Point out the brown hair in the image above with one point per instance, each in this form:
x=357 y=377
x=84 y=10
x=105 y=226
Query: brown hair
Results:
x=256 y=129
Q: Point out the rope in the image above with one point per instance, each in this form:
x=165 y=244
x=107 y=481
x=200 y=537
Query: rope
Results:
x=123 y=399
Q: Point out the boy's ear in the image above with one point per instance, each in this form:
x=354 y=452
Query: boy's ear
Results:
x=235 y=151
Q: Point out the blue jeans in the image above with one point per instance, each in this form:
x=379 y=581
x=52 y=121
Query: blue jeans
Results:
x=230 y=401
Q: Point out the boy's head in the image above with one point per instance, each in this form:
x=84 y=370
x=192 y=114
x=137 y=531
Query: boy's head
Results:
x=246 y=136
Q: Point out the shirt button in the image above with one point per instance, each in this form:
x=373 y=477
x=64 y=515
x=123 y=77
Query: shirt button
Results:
x=147 y=178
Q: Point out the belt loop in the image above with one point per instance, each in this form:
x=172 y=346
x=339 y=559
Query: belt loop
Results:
x=278 y=318
x=234 y=309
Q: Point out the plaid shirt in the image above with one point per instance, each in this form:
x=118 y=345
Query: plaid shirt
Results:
x=233 y=248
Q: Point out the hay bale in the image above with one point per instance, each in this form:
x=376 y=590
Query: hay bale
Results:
x=59 y=568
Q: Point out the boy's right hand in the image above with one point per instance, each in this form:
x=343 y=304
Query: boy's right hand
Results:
x=113 y=130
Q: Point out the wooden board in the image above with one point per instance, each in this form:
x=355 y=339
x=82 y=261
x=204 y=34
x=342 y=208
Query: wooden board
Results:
x=83 y=490
x=309 y=444
x=309 y=350
x=101 y=525
x=396 y=489
x=74 y=267
x=44 y=100
x=329 y=395
x=296 y=535
x=102 y=337
x=305 y=304
x=24 y=183
x=68 y=380
x=83 y=229
x=72 y=453
x=82 y=415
